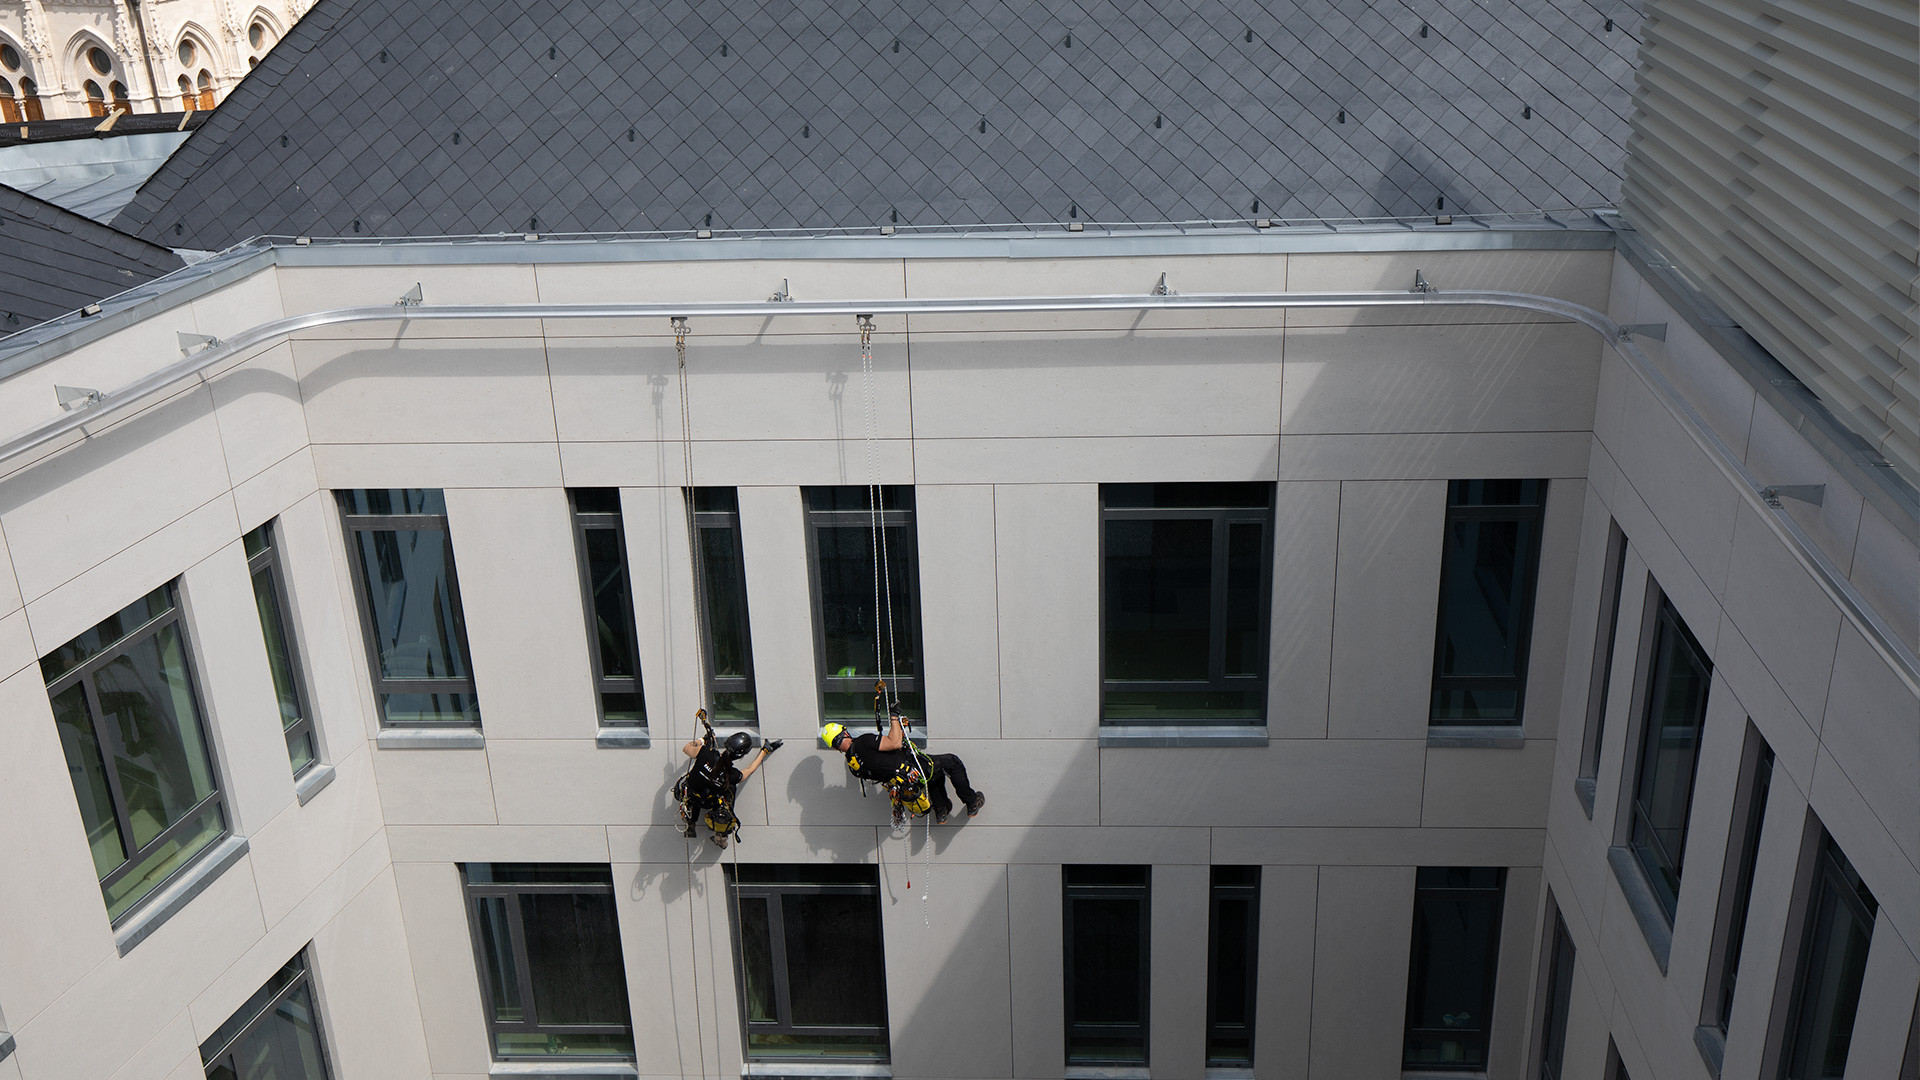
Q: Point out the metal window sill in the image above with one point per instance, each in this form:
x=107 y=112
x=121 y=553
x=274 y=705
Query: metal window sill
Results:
x=1644 y=905
x=570 y=1070
x=309 y=783
x=1487 y=737
x=458 y=738
x=1427 y=1074
x=1227 y=1072
x=1146 y=735
x=147 y=916
x=1583 y=790
x=1712 y=1044
x=1106 y=1072
x=615 y=738
x=6 y=1045
x=813 y=1070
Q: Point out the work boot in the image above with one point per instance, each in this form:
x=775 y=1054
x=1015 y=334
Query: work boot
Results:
x=720 y=841
x=974 y=804
x=940 y=816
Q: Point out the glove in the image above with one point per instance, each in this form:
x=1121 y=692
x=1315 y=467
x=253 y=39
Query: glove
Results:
x=773 y=744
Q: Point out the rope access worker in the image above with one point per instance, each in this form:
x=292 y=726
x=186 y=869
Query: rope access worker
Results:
x=708 y=787
x=914 y=779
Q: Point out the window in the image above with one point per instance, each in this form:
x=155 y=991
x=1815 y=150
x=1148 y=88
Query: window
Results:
x=1233 y=960
x=1452 y=966
x=274 y=1036
x=9 y=110
x=606 y=588
x=96 y=99
x=1910 y=1065
x=1602 y=674
x=257 y=35
x=1490 y=559
x=206 y=89
x=128 y=713
x=1677 y=677
x=1833 y=961
x=1186 y=589
x=810 y=962
x=719 y=564
x=30 y=98
x=410 y=606
x=9 y=57
x=187 y=100
x=99 y=60
x=117 y=90
x=1559 y=984
x=270 y=597
x=552 y=975
x=857 y=643
x=1750 y=810
x=1106 y=936
x=187 y=52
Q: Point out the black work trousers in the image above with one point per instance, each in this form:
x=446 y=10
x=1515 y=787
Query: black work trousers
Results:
x=948 y=767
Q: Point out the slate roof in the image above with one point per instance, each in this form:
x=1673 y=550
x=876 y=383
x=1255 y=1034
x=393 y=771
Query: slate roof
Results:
x=53 y=261
x=453 y=117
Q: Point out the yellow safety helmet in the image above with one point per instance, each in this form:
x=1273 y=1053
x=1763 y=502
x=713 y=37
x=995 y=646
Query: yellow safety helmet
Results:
x=830 y=733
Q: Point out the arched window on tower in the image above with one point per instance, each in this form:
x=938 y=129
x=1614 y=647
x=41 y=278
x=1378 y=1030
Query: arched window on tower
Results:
x=30 y=100
x=9 y=108
x=206 y=89
x=96 y=99
x=117 y=90
x=187 y=100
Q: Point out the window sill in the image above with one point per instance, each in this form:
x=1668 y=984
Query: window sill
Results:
x=1490 y=737
x=571 y=1070
x=458 y=738
x=616 y=738
x=774 y=1070
x=309 y=783
x=1583 y=790
x=1125 y=735
x=1228 y=1072
x=1712 y=1044
x=1428 y=1074
x=1106 y=1072
x=1641 y=901
x=143 y=920
x=6 y=1045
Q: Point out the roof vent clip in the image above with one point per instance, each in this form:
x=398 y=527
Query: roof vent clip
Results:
x=1655 y=330
x=1815 y=494
x=76 y=397
x=1161 y=289
x=189 y=343
x=782 y=295
x=1421 y=284
x=411 y=298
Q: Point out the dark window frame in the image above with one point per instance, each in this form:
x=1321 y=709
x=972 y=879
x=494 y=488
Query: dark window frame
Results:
x=1217 y=679
x=511 y=891
x=1496 y=895
x=1662 y=869
x=1600 y=678
x=1143 y=893
x=1736 y=880
x=729 y=685
x=353 y=523
x=267 y=561
x=613 y=521
x=211 y=1054
x=110 y=746
x=1831 y=876
x=1218 y=891
x=904 y=514
x=1536 y=513
x=772 y=891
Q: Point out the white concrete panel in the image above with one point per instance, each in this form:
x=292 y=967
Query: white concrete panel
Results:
x=491 y=389
x=1443 y=455
x=1783 y=614
x=736 y=462
x=661 y=573
x=1696 y=599
x=16 y=644
x=105 y=364
x=1360 y=970
x=1711 y=831
x=949 y=973
x=1047 y=541
x=526 y=628
x=631 y=464
x=1520 y=932
x=57 y=919
x=1035 y=944
x=498 y=843
x=259 y=408
x=238 y=703
x=1870 y=732
x=1386 y=597
x=1693 y=506
x=9 y=588
x=958 y=589
x=165 y=1052
x=98 y=499
x=800 y=388
x=1793 y=741
x=623 y=389
x=434 y=787
x=706 y=274
x=1623 y=294
x=1306 y=541
x=1780 y=455
x=325 y=625
x=1486 y=377
x=319 y=288
x=987 y=844
x=1609 y=407
x=447 y=984
x=297 y=851
x=1721 y=395
x=780 y=610
x=1097 y=276
x=1765 y=956
x=1885 y=566
x=1864 y=835
x=1581 y=276
x=367 y=975
x=1177 y=1005
x=1283 y=983
x=1118 y=458
x=1333 y=782
x=570 y=782
x=1109 y=382
x=240 y=306
x=1886 y=1007
x=1487 y=788
x=1343 y=846
x=1547 y=651
x=276 y=487
x=672 y=1005
x=441 y=465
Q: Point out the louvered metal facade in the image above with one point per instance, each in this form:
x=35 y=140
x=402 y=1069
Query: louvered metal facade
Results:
x=1773 y=159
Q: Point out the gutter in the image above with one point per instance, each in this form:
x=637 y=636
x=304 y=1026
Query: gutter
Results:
x=1885 y=641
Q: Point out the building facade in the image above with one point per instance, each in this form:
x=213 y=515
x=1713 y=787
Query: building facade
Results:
x=1366 y=685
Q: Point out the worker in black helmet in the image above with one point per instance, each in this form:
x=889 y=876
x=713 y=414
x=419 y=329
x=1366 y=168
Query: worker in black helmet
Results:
x=915 y=780
x=708 y=787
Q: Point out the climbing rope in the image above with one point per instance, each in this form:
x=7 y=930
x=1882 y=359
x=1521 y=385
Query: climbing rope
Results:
x=693 y=968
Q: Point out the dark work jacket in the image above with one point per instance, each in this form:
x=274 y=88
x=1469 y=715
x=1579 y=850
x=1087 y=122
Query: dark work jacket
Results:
x=868 y=762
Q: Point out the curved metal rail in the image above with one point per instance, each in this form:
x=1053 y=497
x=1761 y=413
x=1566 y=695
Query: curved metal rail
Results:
x=1841 y=591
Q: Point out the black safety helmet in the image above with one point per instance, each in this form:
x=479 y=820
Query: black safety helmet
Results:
x=738 y=744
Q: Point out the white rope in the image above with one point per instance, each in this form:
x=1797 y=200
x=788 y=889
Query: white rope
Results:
x=873 y=504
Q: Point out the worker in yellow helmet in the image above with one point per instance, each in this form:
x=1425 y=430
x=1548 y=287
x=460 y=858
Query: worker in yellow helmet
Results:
x=916 y=781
